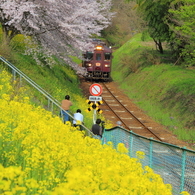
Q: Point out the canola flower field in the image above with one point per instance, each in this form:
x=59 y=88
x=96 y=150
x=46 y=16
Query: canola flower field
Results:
x=41 y=155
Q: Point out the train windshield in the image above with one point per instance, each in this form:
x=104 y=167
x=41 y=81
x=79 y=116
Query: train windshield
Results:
x=89 y=55
x=98 y=56
x=107 y=56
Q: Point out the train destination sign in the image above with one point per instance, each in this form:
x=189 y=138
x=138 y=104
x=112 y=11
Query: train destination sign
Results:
x=95 y=89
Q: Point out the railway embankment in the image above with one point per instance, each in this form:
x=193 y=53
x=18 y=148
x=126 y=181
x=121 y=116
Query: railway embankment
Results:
x=163 y=89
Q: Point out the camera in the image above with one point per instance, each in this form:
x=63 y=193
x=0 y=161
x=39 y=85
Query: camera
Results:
x=103 y=124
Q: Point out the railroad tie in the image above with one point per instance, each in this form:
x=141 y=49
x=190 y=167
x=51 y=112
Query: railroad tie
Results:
x=135 y=127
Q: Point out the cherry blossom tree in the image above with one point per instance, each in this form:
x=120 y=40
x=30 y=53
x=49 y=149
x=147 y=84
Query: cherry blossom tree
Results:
x=62 y=27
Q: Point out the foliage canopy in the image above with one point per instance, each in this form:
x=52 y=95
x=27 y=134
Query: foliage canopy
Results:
x=61 y=27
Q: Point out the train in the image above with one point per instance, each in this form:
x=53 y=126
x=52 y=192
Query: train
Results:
x=98 y=61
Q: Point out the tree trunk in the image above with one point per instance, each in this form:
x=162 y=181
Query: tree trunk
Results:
x=159 y=46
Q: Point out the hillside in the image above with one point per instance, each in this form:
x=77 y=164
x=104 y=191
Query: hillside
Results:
x=41 y=155
x=163 y=90
x=58 y=81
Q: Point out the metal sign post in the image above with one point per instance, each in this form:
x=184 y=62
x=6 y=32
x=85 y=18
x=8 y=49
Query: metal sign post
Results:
x=95 y=90
x=94 y=115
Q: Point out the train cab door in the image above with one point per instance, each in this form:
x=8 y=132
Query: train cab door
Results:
x=98 y=62
x=98 y=59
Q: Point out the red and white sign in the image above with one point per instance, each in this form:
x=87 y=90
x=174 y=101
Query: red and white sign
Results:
x=95 y=89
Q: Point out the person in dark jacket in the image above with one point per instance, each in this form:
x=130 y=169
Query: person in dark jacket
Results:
x=97 y=129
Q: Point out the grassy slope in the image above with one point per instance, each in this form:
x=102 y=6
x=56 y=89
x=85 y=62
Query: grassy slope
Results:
x=59 y=81
x=164 y=91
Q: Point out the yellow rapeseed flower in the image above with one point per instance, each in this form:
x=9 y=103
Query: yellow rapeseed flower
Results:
x=184 y=193
x=53 y=158
x=122 y=149
x=140 y=155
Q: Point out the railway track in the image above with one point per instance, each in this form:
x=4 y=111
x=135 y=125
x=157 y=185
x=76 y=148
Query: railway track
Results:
x=127 y=117
x=118 y=107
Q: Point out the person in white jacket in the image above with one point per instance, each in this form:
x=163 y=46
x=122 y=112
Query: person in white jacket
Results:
x=78 y=119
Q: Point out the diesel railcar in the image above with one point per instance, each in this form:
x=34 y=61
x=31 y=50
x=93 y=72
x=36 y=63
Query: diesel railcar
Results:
x=98 y=61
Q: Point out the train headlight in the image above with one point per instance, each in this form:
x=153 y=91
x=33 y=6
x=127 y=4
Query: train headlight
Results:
x=98 y=64
x=99 y=47
x=107 y=65
x=88 y=65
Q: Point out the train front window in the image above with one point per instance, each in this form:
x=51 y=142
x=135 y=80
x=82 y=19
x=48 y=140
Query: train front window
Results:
x=107 y=56
x=89 y=55
x=98 y=56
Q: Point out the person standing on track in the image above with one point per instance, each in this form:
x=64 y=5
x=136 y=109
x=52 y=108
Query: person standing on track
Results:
x=66 y=103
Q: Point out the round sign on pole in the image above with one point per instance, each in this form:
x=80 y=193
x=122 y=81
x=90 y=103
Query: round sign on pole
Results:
x=95 y=89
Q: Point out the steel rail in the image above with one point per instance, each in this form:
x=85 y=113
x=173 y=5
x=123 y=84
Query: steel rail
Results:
x=142 y=124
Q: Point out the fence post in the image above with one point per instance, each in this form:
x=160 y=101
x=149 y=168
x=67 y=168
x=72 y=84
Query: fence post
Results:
x=183 y=169
x=20 y=81
x=48 y=103
x=52 y=110
x=131 y=144
x=14 y=74
x=151 y=153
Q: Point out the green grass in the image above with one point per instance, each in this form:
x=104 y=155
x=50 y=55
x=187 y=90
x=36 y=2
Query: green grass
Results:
x=58 y=80
x=164 y=91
